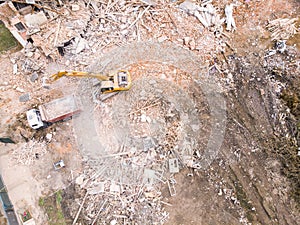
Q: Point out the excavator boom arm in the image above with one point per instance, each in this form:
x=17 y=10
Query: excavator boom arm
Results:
x=117 y=81
x=60 y=74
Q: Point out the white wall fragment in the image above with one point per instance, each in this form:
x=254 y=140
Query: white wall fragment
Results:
x=229 y=18
x=37 y=19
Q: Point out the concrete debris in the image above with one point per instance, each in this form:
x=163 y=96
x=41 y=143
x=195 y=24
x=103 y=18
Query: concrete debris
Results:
x=79 y=180
x=99 y=188
x=95 y=7
x=20 y=89
x=190 y=43
x=34 y=77
x=149 y=177
x=148 y=144
x=189 y=7
x=49 y=137
x=149 y=2
x=174 y=165
x=162 y=38
x=15 y=68
x=171 y=185
x=282 y=28
x=35 y=20
x=81 y=44
x=230 y=23
x=114 y=188
x=24 y=98
x=75 y=8
x=206 y=14
x=45 y=83
x=30 y=1
x=30 y=152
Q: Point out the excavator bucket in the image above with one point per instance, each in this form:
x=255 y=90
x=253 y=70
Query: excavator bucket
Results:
x=58 y=75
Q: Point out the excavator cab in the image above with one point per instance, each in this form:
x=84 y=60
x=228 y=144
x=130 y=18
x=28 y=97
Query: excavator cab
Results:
x=114 y=82
x=122 y=78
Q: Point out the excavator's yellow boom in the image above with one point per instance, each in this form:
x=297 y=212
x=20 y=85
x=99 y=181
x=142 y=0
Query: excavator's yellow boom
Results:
x=60 y=74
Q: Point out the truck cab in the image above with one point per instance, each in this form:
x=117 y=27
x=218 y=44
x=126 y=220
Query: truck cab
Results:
x=34 y=119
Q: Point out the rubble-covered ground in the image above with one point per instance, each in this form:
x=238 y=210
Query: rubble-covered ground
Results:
x=216 y=97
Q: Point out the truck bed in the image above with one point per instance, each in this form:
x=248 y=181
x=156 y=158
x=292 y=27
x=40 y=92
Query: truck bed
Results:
x=59 y=109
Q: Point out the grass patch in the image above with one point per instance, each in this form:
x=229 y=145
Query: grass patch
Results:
x=53 y=208
x=41 y=201
x=58 y=198
x=7 y=40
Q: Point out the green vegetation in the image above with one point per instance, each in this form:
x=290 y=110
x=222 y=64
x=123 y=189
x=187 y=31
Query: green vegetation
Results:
x=58 y=198
x=7 y=40
x=41 y=201
x=26 y=216
x=53 y=208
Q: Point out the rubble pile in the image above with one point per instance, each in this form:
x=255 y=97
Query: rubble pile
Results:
x=206 y=13
x=148 y=135
x=282 y=29
x=110 y=202
x=76 y=29
x=30 y=152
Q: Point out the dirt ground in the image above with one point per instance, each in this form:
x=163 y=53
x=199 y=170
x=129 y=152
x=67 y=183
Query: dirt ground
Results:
x=252 y=179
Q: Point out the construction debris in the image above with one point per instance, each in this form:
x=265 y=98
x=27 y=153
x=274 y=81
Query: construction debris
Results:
x=123 y=202
x=229 y=18
x=125 y=185
x=282 y=28
x=24 y=98
x=30 y=152
x=206 y=13
x=174 y=165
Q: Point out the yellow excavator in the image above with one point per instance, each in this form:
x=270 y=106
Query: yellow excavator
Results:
x=114 y=82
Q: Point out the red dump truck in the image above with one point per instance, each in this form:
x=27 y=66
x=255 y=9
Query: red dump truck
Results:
x=54 y=111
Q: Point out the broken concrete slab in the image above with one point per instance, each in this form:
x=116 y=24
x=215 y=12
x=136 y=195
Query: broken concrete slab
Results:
x=15 y=68
x=26 y=10
x=148 y=143
x=75 y=7
x=95 y=7
x=24 y=98
x=19 y=89
x=30 y=1
x=49 y=137
x=174 y=165
x=114 y=188
x=34 y=77
x=99 y=188
x=149 y=177
x=229 y=18
x=35 y=20
x=81 y=45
